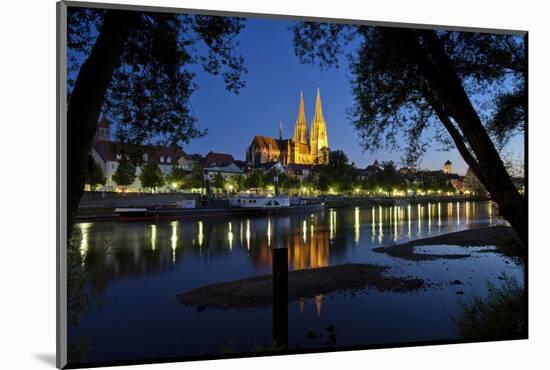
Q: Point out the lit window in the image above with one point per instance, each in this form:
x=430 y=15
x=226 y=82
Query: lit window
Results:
x=118 y=156
x=168 y=159
x=161 y=159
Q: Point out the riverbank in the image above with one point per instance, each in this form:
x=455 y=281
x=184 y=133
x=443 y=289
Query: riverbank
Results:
x=504 y=238
x=257 y=291
x=354 y=201
x=97 y=209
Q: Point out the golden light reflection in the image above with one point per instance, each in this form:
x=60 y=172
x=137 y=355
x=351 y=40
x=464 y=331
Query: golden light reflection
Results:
x=457 y=213
x=312 y=254
x=241 y=233
x=380 y=233
x=439 y=216
x=357 y=225
x=373 y=224
x=153 y=237
x=230 y=236
x=247 y=234
x=409 y=234
x=490 y=211
x=200 y=237
x=467 y=212
x=318 y=303
x=269 y=232
x=419 y=217
x=429 y=218
x=84 y=232
x=304 y=230
x=174 y=239
x=395 y=233
x=332 y=223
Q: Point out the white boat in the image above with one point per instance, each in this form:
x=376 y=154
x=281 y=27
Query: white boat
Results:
x=186 y=203
x=259 y=202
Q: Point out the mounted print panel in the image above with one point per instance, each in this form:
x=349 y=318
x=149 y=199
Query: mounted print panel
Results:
x=238 y=185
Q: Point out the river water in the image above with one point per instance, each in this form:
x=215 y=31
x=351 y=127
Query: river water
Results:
x=135 y=269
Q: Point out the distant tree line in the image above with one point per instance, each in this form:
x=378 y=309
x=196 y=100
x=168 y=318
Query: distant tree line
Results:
x=339 y=176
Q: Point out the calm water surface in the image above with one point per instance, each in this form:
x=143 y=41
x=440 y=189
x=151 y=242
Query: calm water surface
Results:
x=135 y=270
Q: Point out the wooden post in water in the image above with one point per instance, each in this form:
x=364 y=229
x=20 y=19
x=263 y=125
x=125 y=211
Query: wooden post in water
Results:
x=280 y=297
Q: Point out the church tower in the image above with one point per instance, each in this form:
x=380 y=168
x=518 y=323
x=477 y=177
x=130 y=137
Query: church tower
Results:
x=319 y=139
x=300 y=129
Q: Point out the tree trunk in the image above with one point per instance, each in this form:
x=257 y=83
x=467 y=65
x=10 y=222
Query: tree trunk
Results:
x=87 y=98
x=488 y=165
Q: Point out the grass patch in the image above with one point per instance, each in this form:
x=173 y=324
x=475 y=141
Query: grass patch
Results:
x=503 y=315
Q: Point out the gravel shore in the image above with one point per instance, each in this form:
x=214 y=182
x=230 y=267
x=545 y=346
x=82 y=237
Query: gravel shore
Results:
x=503 y=238
x=257 y=291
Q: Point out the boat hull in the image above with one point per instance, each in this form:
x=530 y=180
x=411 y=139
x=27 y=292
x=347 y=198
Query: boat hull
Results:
x=157 y=214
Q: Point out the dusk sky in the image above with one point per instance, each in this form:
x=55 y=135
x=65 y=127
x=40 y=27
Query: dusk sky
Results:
x=274 y=82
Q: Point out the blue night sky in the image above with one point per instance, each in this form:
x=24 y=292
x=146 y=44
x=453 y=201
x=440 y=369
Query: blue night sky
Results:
x=274 y=81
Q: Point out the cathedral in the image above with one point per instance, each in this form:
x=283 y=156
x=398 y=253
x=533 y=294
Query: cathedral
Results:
x=301 y=149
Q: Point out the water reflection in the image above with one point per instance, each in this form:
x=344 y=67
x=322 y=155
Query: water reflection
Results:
x=357 y=226
x=304 y=230
x=269 y=232
x=200 y=235
x=332 y=225
x=149 y=262
x=380 y=232
x=230 y=236
x=174 y=239
x=439 y=216
x=247 y=234
x=84 y=232
x=395 y=221
x=409 y=234
x=153 y=237
x=318 y=303
x=313 y=240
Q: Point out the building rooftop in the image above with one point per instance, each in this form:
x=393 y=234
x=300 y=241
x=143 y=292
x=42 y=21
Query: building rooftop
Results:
x=217 y=159
x=107 y=150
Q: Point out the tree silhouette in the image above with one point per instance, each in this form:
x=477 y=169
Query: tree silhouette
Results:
x=177 y=177
x=125 y=173
x=94 y=175
x=134 y=68
x=218 y=181
x=408 y=80
x=151 y=176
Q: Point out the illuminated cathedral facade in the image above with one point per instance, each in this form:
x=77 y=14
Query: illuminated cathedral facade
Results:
x=303 y=148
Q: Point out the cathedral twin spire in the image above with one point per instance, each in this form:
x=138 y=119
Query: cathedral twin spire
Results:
x=300 y=129
x=318 y=117
x=318 y=140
